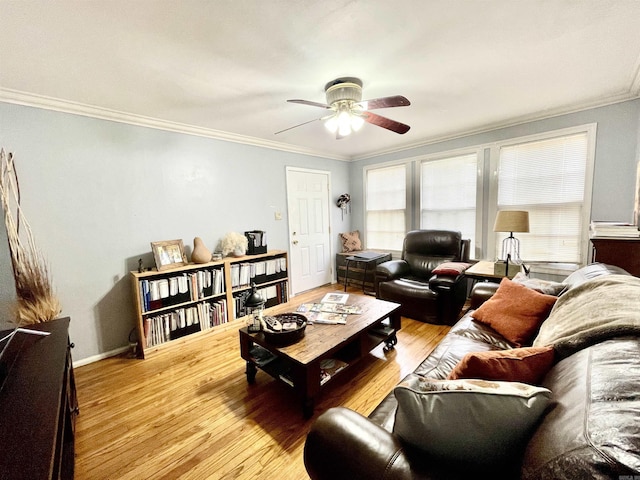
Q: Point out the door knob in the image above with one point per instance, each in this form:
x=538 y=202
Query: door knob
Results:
x=295 y=242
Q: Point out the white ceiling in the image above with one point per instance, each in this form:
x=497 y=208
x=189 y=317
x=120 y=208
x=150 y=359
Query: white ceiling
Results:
x=225 y=68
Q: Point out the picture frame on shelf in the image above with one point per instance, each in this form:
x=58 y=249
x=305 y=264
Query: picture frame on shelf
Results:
x=169 y=254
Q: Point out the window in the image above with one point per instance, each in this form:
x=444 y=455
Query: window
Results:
x=448 y=189
x=386 y=207
x=548 y=178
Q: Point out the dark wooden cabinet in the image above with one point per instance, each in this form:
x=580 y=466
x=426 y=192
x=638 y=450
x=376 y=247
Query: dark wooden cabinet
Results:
x=619 y=251
x=38 y=405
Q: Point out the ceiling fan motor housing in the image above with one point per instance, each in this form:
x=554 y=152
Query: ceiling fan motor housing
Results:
x=344 y=89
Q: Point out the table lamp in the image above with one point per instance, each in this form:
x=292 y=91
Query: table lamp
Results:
x=511 y=221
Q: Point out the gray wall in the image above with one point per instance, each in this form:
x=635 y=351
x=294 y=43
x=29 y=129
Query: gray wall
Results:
x=96 y=193
x=617 y=151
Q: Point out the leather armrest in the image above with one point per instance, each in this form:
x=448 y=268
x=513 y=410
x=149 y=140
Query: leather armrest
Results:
x=439 y=283
x=344 y=445
x=481 y=292
x=391 y=269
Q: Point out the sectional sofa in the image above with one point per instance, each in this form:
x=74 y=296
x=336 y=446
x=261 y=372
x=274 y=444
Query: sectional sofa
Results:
x=566 y=408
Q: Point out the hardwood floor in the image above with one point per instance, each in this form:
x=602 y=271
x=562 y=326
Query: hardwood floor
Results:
x=189 y=413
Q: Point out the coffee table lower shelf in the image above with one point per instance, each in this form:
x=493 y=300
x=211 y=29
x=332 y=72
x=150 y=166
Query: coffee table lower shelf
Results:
x=307 y=372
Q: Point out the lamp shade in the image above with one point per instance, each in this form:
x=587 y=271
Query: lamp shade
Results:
x=512 y=221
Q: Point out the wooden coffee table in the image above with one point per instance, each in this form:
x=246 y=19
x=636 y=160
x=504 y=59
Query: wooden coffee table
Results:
x=299 y=364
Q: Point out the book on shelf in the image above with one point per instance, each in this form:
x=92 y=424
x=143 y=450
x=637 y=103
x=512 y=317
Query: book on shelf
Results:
x=613 y=229
x=159 y=329
x=181 y=288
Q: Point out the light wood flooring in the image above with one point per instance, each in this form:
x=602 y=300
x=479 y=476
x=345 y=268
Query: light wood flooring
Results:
x=189 y=413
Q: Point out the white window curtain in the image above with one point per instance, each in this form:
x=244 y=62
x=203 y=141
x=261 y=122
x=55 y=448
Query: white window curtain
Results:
x=448 y=194
x=386 y=207
x=546 y=178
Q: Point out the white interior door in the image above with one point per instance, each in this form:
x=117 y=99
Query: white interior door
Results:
x=309 y=229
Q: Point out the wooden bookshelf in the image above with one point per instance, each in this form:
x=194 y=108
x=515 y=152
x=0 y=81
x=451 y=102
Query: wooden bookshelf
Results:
x=174 y=305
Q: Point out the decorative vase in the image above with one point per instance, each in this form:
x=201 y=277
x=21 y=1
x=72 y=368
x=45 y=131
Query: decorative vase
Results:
x=238 y=252
x=201 y=253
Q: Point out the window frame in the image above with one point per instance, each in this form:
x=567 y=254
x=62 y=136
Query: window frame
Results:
x=494 y=163
x=478 y=151
x=409 y=195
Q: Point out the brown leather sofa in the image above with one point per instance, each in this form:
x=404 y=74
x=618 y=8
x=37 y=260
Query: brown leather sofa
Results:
x=591 y=428
x=410 y=281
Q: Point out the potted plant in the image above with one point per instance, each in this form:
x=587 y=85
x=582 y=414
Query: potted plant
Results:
x=233 y=243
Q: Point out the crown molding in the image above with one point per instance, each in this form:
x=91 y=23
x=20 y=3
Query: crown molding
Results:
x=75 y=108
x=65 y=106
x=632 y=94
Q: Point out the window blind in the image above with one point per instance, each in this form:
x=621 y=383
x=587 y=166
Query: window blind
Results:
x=386 y=204
x=448 y=194
x=546 y=178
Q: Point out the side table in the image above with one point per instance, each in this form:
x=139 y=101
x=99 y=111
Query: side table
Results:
x=361 y=266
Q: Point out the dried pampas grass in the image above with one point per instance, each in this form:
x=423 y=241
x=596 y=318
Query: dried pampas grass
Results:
x=35 y=300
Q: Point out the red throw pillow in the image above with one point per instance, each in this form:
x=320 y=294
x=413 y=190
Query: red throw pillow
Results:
x=451 y=268
x=515 y=312
x=525 y=365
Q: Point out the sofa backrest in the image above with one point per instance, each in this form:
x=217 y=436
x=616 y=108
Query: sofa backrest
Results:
x=591 y=271
x=424 y=250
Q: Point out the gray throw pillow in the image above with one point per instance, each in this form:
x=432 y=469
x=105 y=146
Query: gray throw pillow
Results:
x=476 y=422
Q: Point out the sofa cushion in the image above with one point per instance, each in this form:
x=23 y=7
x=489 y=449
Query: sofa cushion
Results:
x=473 y=422
x=547 y=287
x=526 y=365
x=592 y=428
x=516 y=312
x=351 y=241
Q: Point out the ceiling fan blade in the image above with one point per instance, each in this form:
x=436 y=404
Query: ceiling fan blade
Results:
x=385 y=123
x=385 y=102
x=307 y=102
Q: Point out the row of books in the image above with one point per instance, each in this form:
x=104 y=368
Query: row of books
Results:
x=613 y=229
x=272 y=295
x=184 y=321
x=185 y=287
x=242 y=274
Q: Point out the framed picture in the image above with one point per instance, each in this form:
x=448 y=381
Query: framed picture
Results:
x=169 y=254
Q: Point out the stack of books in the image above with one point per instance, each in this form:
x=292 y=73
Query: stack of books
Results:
x=614 y=229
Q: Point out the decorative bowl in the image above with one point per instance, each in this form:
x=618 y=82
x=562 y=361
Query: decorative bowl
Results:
x=294 y=325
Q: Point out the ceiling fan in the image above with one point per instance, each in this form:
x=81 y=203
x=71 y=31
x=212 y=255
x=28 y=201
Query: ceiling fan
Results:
x=349 y=111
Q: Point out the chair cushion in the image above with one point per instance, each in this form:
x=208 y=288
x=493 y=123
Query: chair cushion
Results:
x=474 y=422
x=515 y=312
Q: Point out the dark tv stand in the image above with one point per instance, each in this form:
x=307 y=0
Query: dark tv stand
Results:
x=38 y=405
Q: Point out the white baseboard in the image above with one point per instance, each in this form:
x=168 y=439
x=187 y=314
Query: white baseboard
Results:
x=96 y=358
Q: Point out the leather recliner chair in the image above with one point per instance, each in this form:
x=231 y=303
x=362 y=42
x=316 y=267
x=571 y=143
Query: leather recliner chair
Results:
x=424 y=296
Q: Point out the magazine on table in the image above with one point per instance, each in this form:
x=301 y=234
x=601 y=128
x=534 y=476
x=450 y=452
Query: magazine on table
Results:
x=329 y=308
x=330 y=318
x=335 y=298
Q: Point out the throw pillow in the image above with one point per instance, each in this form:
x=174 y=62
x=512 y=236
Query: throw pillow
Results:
x=547 y=287
x=475 y=422
x=351 y=241
x=515 y=312
x=526 y=365
x=451 y=268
